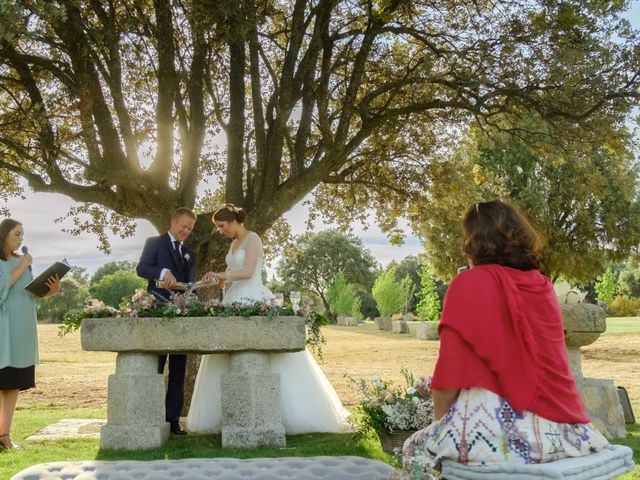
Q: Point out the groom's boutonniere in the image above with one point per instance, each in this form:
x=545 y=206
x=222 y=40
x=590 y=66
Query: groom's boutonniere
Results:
x=187 y=257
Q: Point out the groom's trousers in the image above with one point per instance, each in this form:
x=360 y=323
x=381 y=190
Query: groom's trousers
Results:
x=175 y=389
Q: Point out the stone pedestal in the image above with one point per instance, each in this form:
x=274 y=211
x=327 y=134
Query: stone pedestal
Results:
x=427 y=331
x=583 y=325
x=346 y=321
x=135 y=405
x=250 y=391
x=399 y=326
x=382 y=323
x=251 y=403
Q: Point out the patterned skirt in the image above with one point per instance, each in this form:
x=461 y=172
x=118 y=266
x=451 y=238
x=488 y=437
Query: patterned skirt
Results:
x=482 y=428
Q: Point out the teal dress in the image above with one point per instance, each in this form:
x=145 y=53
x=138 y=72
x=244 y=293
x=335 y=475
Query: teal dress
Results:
x=18 y=329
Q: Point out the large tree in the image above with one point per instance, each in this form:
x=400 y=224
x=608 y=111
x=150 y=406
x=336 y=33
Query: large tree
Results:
x=584 y=199
x=118 y=104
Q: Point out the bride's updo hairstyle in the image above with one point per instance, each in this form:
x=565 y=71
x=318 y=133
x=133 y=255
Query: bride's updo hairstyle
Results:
x=497 y=232
x=229 y=212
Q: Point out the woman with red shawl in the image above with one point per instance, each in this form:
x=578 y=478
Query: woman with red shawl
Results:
x=502 y=388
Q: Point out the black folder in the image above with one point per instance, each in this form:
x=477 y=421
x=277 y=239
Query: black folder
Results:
x=38 y=286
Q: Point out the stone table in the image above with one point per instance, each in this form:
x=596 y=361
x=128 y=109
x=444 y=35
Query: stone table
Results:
x=250 y=391
x=583 y=325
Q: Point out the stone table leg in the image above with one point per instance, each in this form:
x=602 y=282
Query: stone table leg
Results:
x=251 y=403
x=135 y=404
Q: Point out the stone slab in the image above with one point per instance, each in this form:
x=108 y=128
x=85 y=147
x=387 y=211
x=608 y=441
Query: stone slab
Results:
x=382 y=323
x=250 y=437
x=284 y=468
x=399 y=326
x=427 y=331
x=583 y=323
x=133 y=437
x=70 y=428
x=250 y=400
x=600 y=398
x=135 y=399
x=193 y=334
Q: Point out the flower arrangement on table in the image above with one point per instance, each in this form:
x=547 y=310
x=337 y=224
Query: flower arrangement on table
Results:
x=145 y=304
x=393 y=412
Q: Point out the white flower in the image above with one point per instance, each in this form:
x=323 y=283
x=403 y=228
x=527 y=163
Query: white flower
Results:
x=187 y=257
x=415 y=400
x=377 y=382
x=411 y=390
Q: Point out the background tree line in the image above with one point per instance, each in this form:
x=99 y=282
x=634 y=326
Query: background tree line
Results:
x=112 y=283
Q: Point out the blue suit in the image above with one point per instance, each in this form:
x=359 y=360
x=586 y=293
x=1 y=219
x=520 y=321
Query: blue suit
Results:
x=158 y=253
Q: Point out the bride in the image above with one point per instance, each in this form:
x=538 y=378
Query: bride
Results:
x=308 y=401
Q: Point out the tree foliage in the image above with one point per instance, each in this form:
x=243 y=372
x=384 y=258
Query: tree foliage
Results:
x=110 y=268
x=409 y=266
x=343 y=298
x=72 y=296
x=583 y=197
x=315 y=259
x=115 y=287
x=629 y=280
x=123 y=105
x=607 y=286
x=390 y=295
x=430 y=304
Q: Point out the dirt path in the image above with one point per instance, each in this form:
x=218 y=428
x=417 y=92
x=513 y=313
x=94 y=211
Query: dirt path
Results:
x=73 y=378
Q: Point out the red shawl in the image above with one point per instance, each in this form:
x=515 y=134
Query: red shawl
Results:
x=501 y=329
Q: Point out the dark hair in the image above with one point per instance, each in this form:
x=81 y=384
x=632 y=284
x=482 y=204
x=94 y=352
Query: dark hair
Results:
x=229 y=212
x=6 y=226
x=496 y=232
x=183 y=211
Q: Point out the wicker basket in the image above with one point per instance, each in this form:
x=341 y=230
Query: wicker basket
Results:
x=391 y=441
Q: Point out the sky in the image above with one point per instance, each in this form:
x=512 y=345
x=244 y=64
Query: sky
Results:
x=48 y=243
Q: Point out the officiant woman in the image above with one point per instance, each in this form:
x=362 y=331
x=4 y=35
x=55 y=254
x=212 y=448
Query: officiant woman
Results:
x=18 y=325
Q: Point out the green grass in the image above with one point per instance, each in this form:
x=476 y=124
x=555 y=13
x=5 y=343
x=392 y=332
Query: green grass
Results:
x=633 y=441
x=29 y=420
x=33 y=418
x=623 y=325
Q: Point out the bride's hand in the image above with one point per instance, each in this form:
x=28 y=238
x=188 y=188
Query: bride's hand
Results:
x=209 y=277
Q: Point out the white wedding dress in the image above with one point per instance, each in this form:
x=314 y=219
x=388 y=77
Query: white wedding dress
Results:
x=309 y=402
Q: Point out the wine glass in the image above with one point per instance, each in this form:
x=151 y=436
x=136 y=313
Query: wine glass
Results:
x=278 y=301
x=295 y=301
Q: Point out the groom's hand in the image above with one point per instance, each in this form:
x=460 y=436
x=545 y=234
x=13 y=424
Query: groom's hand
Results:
x=169 y=280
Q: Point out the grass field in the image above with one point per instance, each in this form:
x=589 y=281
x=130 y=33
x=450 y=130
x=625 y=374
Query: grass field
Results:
x=72 y=384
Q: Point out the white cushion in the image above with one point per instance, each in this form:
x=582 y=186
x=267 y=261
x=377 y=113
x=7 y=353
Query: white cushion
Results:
x=289 y=468
x=606 y=464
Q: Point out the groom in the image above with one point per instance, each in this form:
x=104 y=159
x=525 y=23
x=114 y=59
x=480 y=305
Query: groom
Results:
x=166 y=258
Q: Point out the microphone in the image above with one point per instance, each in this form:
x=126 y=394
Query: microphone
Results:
x=25 y=251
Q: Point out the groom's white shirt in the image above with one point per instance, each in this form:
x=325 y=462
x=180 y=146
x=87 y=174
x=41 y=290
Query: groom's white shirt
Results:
x=173 y=239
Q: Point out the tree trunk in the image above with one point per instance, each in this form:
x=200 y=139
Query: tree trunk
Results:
x=210 y=248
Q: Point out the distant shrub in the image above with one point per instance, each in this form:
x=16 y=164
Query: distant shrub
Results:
x=342 y=297
x=389 y=294
x=429 y=306
x=624 y=306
